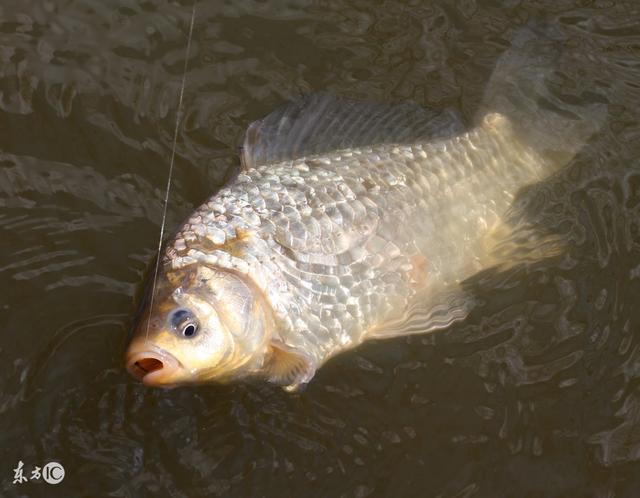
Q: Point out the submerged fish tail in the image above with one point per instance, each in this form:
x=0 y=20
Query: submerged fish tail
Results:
x=521 y=88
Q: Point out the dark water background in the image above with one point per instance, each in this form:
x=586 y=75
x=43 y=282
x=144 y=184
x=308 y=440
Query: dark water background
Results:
x=536 y=394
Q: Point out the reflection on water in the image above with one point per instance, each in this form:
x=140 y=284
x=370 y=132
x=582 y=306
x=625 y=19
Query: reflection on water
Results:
x=536 y=394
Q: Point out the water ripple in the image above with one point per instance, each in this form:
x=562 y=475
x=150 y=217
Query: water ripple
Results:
x=539 y=380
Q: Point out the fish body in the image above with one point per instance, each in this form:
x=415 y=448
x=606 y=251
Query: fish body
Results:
x=344 y=216
x=336 y=243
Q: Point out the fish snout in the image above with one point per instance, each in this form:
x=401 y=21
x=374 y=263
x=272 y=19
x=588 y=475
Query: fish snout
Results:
x=152 y=366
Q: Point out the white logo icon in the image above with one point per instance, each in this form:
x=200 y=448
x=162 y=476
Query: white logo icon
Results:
x=53 y=473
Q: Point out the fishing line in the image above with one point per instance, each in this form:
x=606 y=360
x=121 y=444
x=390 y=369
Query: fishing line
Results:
x=171 y=162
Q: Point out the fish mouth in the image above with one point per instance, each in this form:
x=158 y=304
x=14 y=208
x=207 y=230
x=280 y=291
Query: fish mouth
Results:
x=153 y=366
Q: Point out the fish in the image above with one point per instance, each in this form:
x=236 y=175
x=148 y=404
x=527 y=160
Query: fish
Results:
x=350 y=221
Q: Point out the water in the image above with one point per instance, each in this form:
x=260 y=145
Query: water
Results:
x=536 y=394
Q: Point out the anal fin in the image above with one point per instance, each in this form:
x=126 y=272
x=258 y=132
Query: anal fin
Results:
x=520 y=242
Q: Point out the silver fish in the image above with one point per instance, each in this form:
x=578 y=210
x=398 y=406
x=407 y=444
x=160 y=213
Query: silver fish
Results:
x=347 y=219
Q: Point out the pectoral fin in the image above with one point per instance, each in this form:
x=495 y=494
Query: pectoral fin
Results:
x=289 y=368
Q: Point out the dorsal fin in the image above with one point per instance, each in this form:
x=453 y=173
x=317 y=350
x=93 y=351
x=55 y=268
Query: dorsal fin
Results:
x=320 y=123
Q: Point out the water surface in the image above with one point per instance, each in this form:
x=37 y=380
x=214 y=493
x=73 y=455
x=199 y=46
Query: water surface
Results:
x=536 y=394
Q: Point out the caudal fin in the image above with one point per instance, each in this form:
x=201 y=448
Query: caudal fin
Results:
x=520 y=88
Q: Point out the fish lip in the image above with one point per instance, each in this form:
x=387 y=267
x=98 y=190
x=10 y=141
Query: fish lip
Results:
x=171 y=365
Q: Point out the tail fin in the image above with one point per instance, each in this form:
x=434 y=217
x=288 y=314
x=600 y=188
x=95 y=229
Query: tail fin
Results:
x=542 y=117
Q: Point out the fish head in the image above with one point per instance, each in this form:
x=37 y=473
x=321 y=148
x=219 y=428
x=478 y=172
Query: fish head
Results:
x=203 y=324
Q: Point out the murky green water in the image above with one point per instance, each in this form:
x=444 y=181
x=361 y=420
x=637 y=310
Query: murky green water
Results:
x=536 y=394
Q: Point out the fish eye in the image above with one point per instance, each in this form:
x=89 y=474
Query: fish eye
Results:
x=184 y=322
x=189 y=330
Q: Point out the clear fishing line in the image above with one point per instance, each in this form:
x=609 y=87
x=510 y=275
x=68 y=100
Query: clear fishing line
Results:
x=171 y=163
